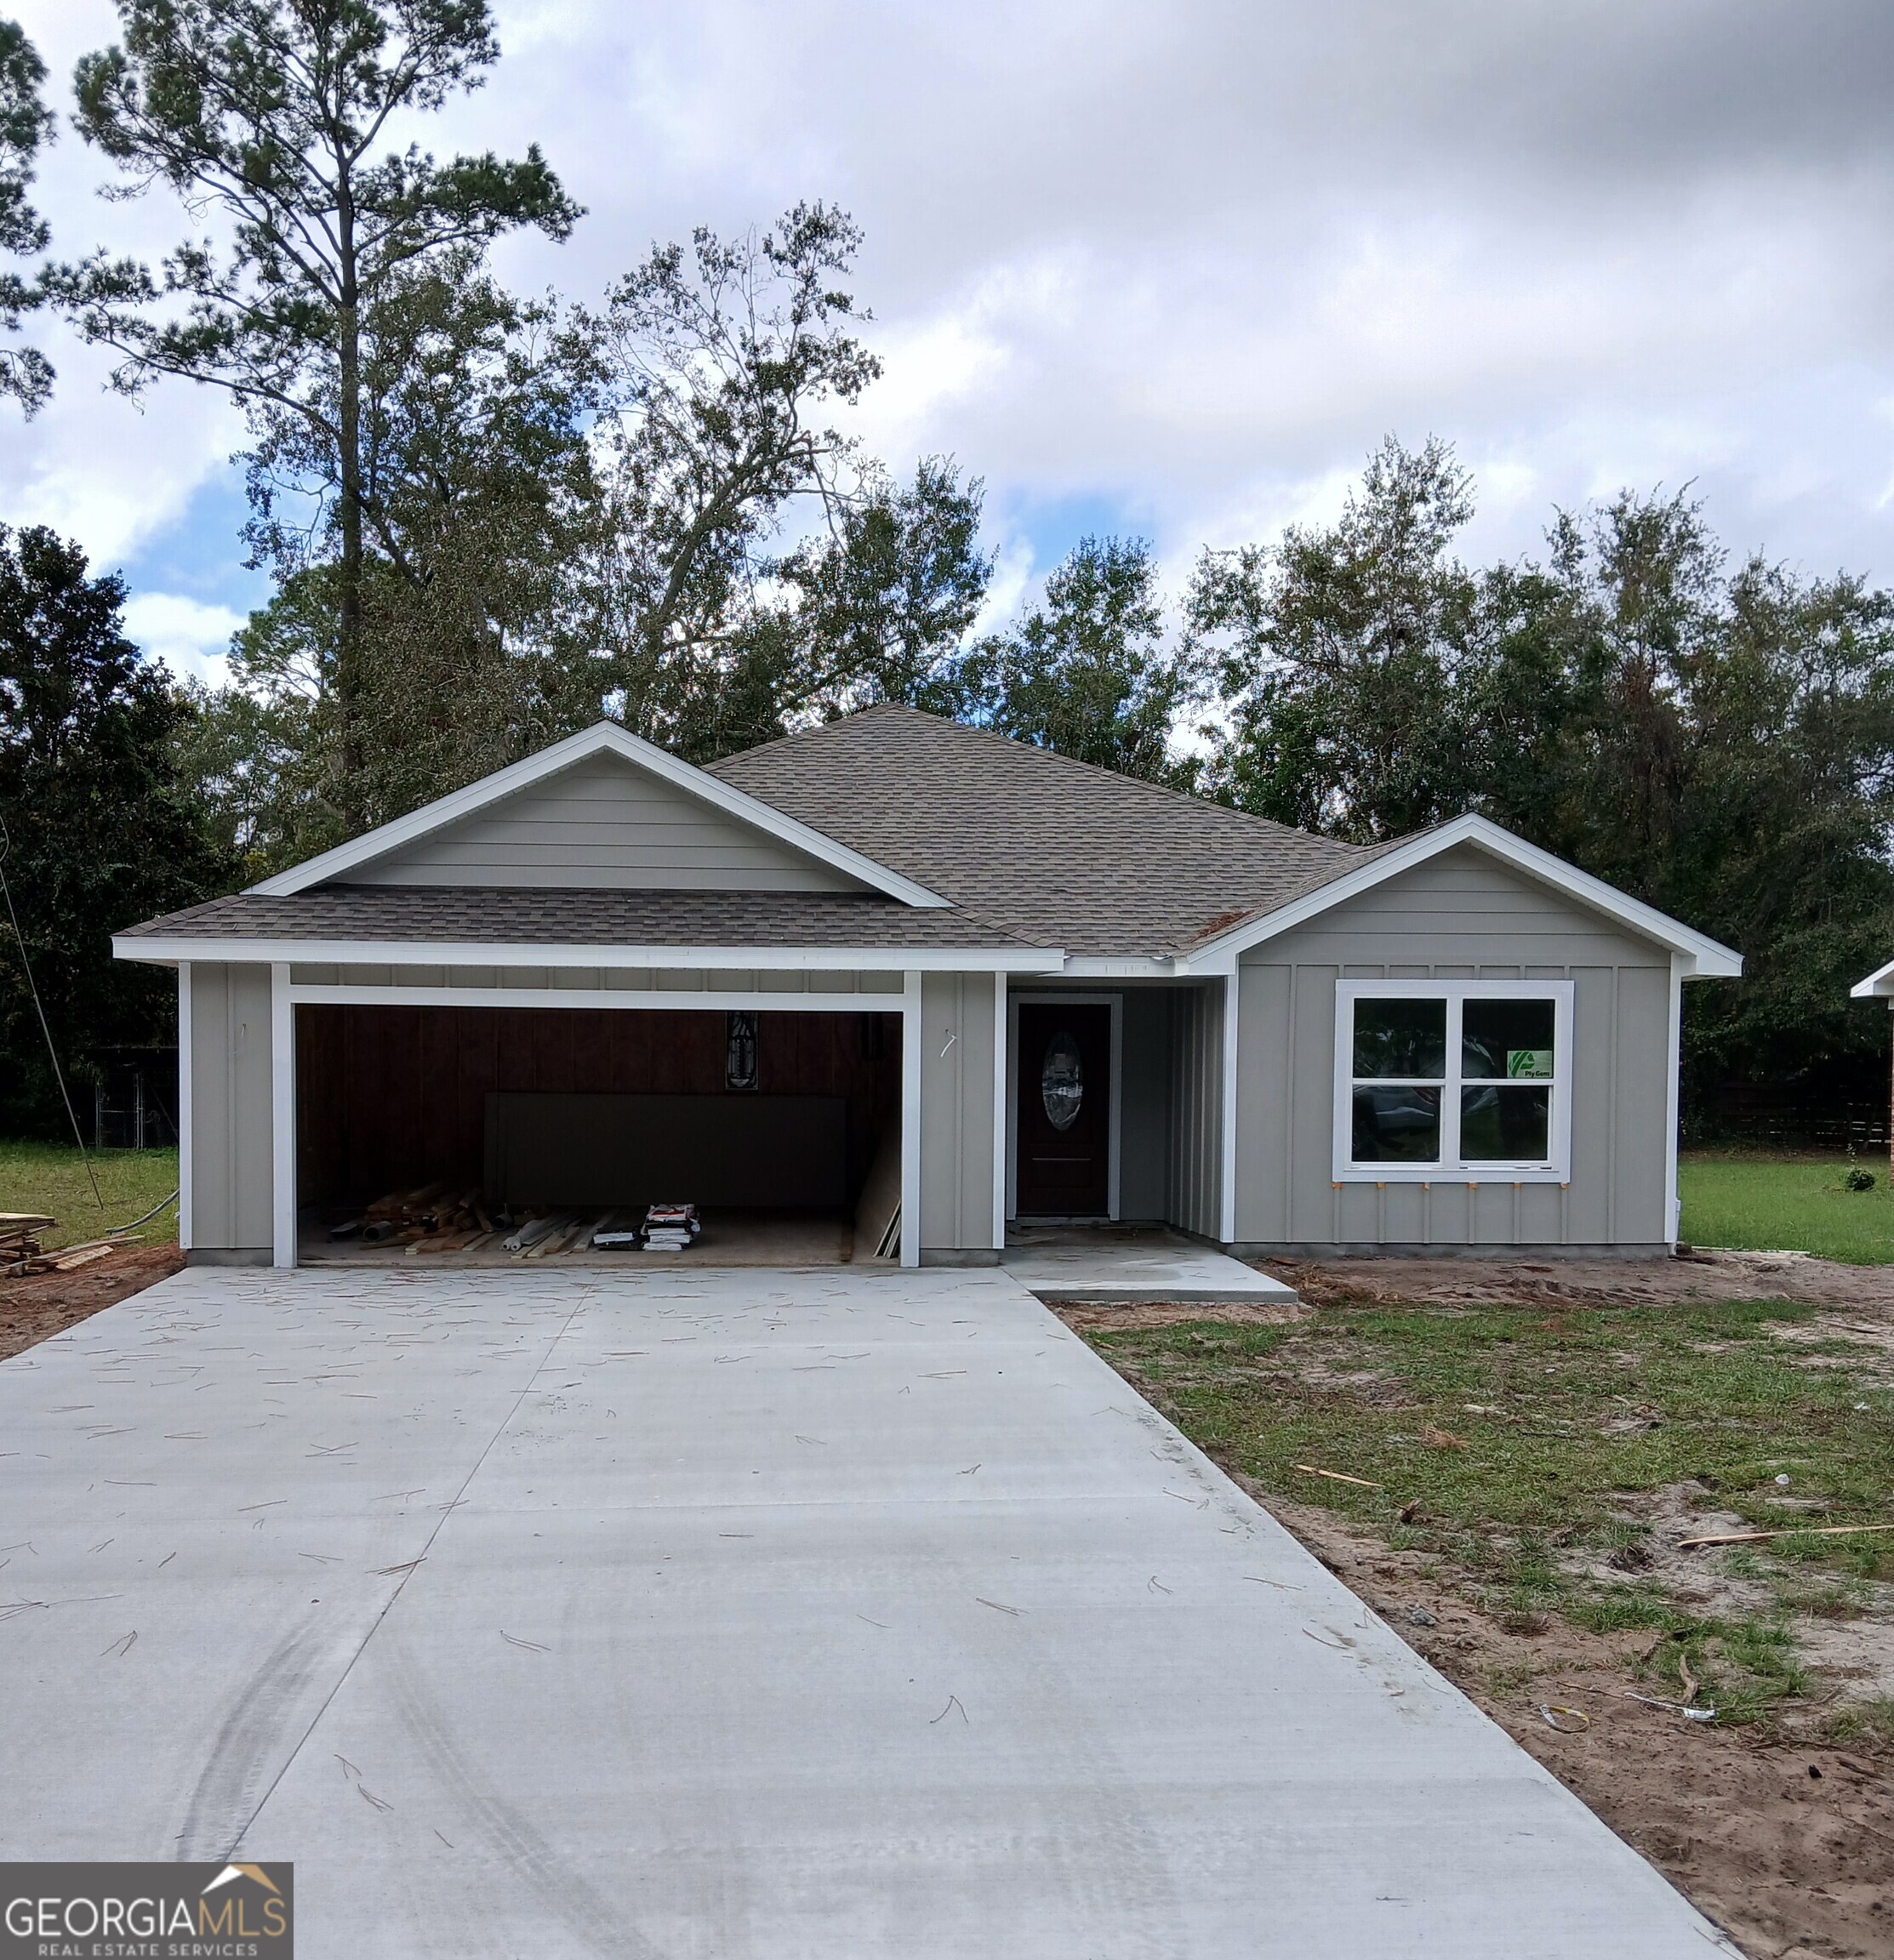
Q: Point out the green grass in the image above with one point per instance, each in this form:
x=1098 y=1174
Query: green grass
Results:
x=1492 y=1427
x=50 y=1178
x=1783 y=1203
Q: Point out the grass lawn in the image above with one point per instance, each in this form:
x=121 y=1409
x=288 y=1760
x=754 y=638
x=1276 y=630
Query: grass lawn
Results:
x=1781 y=1203
x=50 y=1178
x=1521 y=1448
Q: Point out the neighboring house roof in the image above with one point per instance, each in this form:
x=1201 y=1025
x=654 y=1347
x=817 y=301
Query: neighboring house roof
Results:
x=1054 y=850
x=346 y=922
x=1878 y=986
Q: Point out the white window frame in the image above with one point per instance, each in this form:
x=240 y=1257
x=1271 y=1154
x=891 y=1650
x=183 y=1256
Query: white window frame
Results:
x=1452 y=1168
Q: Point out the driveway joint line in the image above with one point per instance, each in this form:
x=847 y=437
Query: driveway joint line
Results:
x=361 y=1648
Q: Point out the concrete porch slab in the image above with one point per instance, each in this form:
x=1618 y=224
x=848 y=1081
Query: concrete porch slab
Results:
x=1134 y=1272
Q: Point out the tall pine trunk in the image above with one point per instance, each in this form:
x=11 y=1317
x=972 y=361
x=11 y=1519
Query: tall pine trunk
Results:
x=348 y=638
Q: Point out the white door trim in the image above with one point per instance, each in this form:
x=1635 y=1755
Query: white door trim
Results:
x=1089 y=998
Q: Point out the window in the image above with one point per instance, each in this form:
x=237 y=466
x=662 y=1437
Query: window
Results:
x=1461 y=1080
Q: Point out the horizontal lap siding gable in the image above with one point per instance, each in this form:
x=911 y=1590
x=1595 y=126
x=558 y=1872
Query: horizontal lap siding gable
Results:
x=1461 y=916
x=604 y=825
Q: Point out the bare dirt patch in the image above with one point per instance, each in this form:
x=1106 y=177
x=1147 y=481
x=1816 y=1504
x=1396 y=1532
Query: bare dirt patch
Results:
x=1506 y=1458
x=1083 y=1316
x=1791 y=1863
x=33 y=1309
x=1698 y=1275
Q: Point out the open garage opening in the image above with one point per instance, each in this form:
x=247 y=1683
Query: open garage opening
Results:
x=448 y=1133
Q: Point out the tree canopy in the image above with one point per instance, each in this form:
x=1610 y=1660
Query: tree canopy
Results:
x=270 y=119
x=1716 y=739
x=25 y=125
x=102 y=831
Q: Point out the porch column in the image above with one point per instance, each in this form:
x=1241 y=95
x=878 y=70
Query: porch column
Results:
x=282 y=1119
x=911 y=1118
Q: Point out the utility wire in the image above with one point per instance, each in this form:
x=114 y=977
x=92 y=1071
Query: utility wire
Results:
x=32 y=988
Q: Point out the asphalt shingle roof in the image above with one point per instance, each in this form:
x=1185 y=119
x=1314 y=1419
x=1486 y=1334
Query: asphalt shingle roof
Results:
x=1056 y=851
x=537 y=915
x=1031 y=848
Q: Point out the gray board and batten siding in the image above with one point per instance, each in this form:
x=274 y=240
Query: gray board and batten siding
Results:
x=602 y=825
x=227 y=1161
x=957 y=1119
x=1463 y=915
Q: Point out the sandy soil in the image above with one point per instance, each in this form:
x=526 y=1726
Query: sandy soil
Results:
x=1698 y=1275
x=1787 y=1846
x=1790 y=1848
x=34 y=1309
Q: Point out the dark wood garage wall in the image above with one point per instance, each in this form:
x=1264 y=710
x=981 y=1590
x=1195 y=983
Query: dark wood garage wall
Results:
x=389 y=1098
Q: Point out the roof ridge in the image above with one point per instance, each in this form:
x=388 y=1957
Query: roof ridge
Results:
x=1009 y=744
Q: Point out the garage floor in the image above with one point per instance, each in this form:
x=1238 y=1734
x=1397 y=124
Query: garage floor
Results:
x=727 y=1614
x=730 y=1238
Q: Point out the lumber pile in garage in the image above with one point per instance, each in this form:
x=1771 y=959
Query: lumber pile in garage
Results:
x=432 y=1218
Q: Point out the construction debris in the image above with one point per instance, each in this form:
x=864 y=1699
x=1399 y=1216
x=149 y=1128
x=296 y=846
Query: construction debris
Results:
x=22 y=1251
x=20 y=1233
x=1783 y=1531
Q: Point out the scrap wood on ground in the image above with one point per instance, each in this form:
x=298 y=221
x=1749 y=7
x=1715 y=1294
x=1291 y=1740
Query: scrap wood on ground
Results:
x=35 y=1306
x=1597 y=1490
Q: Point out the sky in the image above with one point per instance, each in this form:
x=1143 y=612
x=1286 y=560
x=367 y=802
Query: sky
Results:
x=1172 y=270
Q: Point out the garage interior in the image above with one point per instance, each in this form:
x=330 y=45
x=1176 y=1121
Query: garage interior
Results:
x=452 y=1128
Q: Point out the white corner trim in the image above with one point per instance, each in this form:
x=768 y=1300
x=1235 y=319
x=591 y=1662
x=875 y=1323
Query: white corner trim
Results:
x=1232 y=1022
x=1879 y=985
x=1672 y=1201
x=603 y=737
x=1450 y=1168
x=166 y=952
x=282 y=1119
x=187 y=1127
x=910 y=1120
x=1705 y=958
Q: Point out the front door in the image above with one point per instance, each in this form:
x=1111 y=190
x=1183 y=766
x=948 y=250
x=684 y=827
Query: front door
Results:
x=1064 y=1100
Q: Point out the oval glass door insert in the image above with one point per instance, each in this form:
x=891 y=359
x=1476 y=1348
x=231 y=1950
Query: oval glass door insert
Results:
x=1061 y=1081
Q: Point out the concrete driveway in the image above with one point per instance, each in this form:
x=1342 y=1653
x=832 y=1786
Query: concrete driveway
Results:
x=727 y=1614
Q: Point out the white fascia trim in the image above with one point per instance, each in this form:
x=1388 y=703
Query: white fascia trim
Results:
x=1703 y=957
x=1878 y=986
x=603 y=737
x=477 y=953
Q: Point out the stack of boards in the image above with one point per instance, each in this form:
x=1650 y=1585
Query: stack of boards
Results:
x=21 y=1251
x=436 y=1219
x=665 y=1229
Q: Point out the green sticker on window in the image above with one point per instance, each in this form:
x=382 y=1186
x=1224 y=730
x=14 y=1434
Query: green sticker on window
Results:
x=1533 y=1064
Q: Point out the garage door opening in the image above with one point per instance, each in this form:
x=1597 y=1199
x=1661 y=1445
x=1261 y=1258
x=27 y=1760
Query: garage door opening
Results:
x=476 y=1135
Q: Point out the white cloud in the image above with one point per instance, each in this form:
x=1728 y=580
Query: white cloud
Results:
x=1192 y=262
x=190 y=637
